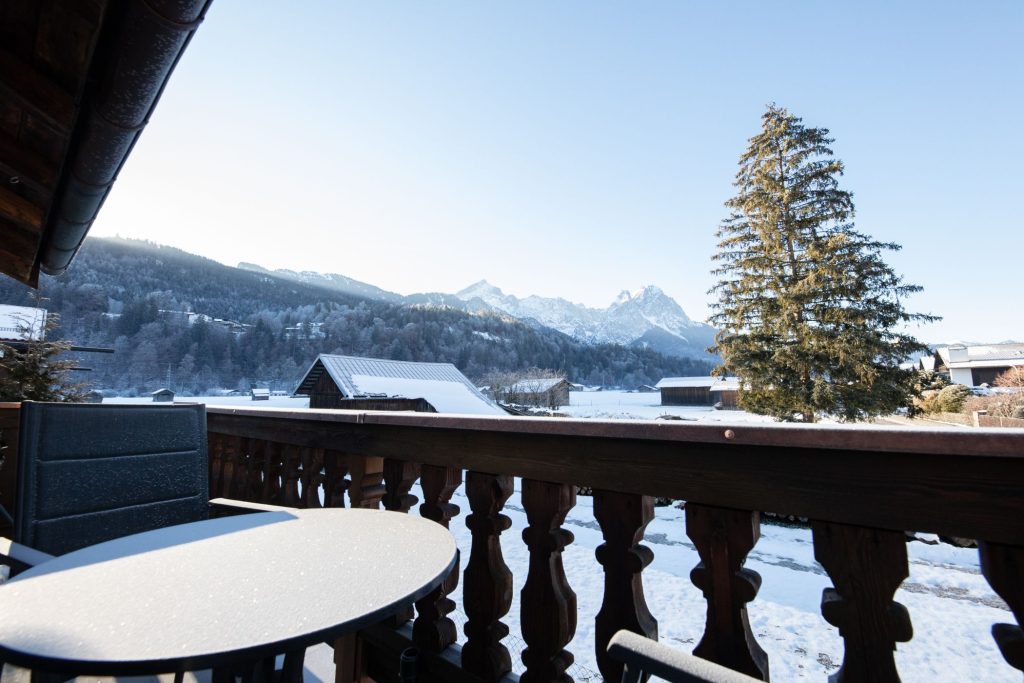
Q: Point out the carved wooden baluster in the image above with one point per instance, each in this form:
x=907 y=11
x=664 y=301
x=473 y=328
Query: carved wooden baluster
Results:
x=723 y=538
x=312 y=476
x=367 y=487
x=399 y=476
x=256 y=474
x=487 y=587
x=623 y=518
x=1003 y=567
x=228 y=451
x=548 y=604
x=215 y=454
x=240 y=480
x=291 y=463
x=866 y=567
x=433 y=631
x=271 y=472
x=335 y=483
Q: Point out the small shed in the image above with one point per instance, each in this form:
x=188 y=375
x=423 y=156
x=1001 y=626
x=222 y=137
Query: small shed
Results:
x=686 y=391
x=163 y=396
x=258 y=394
x=93 y=397
x=548 y=392
x=646 y=389
x=725 y=393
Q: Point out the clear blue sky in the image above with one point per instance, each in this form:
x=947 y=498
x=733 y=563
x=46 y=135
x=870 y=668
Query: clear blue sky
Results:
x=577 y=148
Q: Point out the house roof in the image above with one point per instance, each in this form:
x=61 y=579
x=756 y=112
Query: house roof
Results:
x=21 y=323
x=726 y=384
x=78 y=83
x=680 y=382
x=984 y=356
x=537 y=385
x=440 y=384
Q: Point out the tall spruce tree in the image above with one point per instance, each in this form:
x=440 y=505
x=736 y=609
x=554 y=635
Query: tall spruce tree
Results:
x=807 y=308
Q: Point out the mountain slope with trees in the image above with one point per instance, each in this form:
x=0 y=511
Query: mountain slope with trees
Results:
x=133 y=296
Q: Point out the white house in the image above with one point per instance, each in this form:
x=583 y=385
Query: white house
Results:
x=977 y=364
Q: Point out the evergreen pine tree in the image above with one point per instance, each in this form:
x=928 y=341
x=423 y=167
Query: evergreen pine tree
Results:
x=808 y=310
x=31 y=371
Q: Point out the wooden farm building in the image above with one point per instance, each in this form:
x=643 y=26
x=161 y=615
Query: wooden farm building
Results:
x=375 y=384
x=725 y=393
x=259 y=394
x=698 y=391
x=547 y=392
x=162 y=396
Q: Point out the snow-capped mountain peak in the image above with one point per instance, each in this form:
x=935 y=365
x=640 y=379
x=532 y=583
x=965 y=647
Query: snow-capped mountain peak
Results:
x=630 y=319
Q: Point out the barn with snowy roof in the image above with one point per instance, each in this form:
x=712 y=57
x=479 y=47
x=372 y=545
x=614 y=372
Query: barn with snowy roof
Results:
x=334 y=381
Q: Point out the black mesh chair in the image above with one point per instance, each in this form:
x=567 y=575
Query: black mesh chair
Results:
x=90 y=473
x=645 y=657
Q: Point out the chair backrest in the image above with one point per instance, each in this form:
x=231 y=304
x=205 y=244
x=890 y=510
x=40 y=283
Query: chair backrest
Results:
x=90 y=473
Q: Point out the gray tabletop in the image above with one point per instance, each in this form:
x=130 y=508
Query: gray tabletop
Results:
x=203 y=594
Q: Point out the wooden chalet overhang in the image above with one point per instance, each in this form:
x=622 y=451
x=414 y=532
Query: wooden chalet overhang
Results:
x=78 y=82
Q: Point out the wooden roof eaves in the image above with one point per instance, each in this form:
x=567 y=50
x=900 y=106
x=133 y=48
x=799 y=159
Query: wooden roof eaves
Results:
x=129 y=71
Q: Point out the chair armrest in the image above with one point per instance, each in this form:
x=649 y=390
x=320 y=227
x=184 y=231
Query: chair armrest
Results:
x=641 y=654
x=20 y=557
x=232 y=506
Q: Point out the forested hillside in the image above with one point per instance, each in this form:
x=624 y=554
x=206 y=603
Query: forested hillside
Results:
x=132 y=296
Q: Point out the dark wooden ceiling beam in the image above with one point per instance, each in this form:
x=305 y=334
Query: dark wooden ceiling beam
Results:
x=36 y=92
x=19 y=162
x=19 y=210
x=17 y=250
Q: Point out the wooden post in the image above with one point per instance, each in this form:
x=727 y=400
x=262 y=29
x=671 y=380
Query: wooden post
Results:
x=367 y=486
x=723 y=538
x=335 y=483
x=487 y=585
x=399 y=476
x=1003 y=567
x=623 y=518
x=433 y=631
x=548 y=604
x=866 y=566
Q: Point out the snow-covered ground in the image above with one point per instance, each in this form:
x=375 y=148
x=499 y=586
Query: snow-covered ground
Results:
x=624 y=405
x=951 y=606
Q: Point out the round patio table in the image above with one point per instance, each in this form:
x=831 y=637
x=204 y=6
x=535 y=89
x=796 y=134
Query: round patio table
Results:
x=219 y=592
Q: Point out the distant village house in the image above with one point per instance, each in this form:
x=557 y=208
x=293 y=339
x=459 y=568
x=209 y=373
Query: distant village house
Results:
x=974 y=365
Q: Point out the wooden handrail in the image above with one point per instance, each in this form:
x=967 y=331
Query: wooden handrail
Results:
x=860 y=488
x=964 y=484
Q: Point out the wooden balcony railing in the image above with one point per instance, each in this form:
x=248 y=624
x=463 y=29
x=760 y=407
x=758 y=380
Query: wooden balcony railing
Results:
x=860 y=489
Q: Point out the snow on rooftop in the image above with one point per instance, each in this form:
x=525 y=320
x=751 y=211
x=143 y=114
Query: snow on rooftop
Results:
x=695 y=382
x=445 y=396
x=19 y=323
x=536 y=385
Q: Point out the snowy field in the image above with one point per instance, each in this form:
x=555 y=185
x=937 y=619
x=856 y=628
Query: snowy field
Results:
x=951 y=606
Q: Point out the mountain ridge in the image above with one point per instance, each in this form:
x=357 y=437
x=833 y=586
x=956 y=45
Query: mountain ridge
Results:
x=644 y=318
